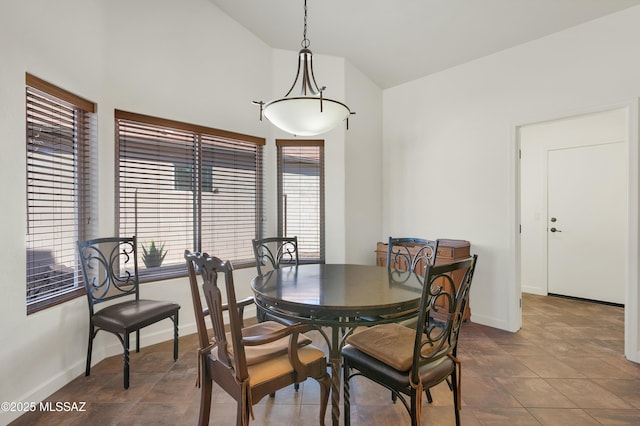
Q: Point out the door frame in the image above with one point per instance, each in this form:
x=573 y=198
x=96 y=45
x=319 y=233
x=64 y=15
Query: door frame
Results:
x=632 y=294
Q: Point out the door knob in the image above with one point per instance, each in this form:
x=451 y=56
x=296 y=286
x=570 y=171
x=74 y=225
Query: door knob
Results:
x=554 y=230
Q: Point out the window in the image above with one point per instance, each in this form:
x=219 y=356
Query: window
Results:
x=301 y=195
x=61 y=191
x=182 y=186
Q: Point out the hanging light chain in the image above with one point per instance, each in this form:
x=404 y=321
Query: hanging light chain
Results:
x=305 y=41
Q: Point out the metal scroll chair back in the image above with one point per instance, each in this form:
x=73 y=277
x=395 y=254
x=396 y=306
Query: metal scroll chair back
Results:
x=273 y=252
x=441 y=312
x=411 y=254
x=409 y=361
x=110 y=272
x=440 y=318
x=110 y=268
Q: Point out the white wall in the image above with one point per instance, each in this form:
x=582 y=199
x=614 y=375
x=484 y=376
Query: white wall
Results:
x=363 y=169
x=185 y=61
x=535 y=142
x=449 y=143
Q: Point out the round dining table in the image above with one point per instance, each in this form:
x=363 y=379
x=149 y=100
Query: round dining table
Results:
x=339 y=297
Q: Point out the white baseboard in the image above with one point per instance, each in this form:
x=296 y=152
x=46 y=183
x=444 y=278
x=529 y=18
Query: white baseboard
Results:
x=490 y=322
x=534 y=290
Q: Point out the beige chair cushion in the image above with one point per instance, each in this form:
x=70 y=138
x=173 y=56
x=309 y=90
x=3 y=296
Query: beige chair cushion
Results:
x=257 y=354
x=389 y=343
x=280 y=366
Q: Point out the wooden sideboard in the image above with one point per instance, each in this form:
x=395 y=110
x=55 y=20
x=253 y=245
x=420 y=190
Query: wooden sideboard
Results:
x=448 y=251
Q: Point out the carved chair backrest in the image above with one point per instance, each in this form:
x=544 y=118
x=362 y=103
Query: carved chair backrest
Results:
x=207 y=270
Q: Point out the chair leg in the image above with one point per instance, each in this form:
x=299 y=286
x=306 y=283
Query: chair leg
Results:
x=241 y=408
x=414 y=408
x=449 y=383
x=87 y=370
x=138 y=340
x=205 y=397
x=429 y=397
x=261 y=316
x=456 y=403
x=175 y=336
x=345 y=387
x=325 y=390
x=126 y=360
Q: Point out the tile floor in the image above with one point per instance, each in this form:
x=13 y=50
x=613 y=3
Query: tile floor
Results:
x=564 y=367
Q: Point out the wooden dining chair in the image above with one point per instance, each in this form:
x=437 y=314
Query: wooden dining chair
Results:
x=409 y=360
x=110 y=272
x=246 y=362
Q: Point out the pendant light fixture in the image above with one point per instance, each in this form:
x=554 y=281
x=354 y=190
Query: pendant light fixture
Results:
x=308 y=113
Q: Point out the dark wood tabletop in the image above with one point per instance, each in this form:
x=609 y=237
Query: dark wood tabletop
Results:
x=337 y=292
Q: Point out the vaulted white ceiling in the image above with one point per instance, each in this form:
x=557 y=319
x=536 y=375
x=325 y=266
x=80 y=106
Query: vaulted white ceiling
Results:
x=395 y=41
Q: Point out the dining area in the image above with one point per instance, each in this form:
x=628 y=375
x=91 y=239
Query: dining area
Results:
x=168 y=201
x=145 y=127
x=322 y=321
x=333 y=300
x=332 y=343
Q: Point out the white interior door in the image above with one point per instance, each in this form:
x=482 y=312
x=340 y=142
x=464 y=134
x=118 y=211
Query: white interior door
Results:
x=586 y=222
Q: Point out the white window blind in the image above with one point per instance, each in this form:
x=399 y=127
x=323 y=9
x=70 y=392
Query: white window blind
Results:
x=61 y=191
x=301 y=195
x=187 y=187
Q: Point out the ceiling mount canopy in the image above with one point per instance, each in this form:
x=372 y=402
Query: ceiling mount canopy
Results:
x=308 y=112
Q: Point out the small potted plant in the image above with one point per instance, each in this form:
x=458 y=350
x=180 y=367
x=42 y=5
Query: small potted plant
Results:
x=153 y=255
